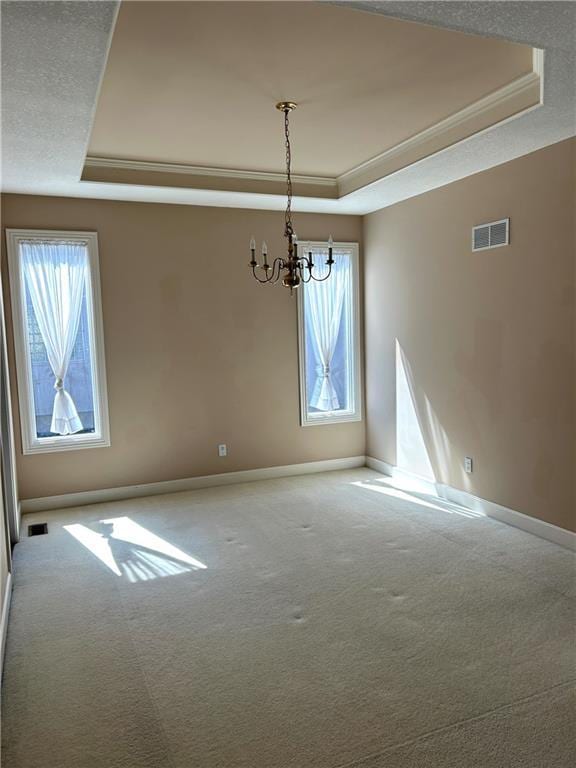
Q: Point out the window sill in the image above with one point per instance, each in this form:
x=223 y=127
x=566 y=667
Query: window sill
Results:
x=55 y=445
x=318 y=420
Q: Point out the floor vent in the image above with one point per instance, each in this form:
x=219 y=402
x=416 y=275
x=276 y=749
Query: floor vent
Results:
x=37 y=529
x=492 y=235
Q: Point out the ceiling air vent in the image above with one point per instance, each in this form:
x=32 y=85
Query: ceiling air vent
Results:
x=491 y=235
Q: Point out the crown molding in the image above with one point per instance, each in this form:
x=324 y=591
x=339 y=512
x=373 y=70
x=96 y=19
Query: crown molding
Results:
x=538 y=68
x=486 y=104
x=505 y=103
x=523 y=90
x=49 y=163
x=200 y=170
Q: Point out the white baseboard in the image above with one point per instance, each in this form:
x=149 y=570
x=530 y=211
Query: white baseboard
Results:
x=187 y=484
x=417 y=482
x=488 y=508
x=533 y=525
x=4 y=619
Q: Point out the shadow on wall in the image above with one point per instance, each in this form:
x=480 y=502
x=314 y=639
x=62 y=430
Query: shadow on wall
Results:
x=422 y=444
x=132 y=552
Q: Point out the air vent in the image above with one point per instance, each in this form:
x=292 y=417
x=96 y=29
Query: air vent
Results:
x=491 y=235
x=37 y=529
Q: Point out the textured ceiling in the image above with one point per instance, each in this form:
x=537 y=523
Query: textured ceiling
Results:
x=53 y=56
x=54 y=53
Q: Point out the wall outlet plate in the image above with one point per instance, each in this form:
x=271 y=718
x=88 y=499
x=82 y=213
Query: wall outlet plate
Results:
x=222 y=450
x=468 y=464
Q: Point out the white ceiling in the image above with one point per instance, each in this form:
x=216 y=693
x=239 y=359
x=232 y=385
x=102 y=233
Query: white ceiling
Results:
x=54 y=55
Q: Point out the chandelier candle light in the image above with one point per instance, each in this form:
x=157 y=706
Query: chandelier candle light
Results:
x=295 y=269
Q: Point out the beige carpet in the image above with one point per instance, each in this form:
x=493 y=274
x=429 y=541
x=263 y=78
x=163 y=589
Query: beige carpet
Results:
x=326 y=621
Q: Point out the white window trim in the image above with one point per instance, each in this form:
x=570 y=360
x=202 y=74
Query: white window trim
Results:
x=333 y=417
x=30 y=442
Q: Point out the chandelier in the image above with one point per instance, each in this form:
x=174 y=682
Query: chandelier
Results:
x=294 y=269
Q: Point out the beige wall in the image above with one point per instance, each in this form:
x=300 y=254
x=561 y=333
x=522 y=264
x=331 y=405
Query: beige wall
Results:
x=488 y=336
x=197 y=353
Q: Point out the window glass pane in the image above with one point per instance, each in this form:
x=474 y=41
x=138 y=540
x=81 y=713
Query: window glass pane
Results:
x=77 y=382
x=329 y=339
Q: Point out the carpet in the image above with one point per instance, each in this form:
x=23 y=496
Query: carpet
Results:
x=324 y=621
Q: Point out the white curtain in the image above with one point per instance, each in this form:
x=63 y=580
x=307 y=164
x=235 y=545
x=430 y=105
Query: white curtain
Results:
x=323 y=309
x=55 y=275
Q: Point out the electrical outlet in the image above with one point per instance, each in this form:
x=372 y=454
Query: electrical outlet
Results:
x=222 y=450
x=468 y=464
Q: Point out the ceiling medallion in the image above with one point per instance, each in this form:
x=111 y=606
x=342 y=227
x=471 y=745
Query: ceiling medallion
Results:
x=294 y=269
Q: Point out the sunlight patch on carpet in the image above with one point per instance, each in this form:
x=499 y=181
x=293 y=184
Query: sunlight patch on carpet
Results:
x=435 y=503
x=131 y=551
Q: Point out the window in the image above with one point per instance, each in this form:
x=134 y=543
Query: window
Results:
x=329 y=340
x=56 y=309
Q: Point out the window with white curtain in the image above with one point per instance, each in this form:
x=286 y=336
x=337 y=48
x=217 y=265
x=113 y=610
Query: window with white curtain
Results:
x=57 y=317
x=329 y=339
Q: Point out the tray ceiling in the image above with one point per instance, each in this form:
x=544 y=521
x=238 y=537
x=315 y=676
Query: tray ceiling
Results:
x=194 y=84
x=57 y=86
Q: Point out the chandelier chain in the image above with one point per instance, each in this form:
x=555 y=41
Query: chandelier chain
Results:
x=288 y=174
